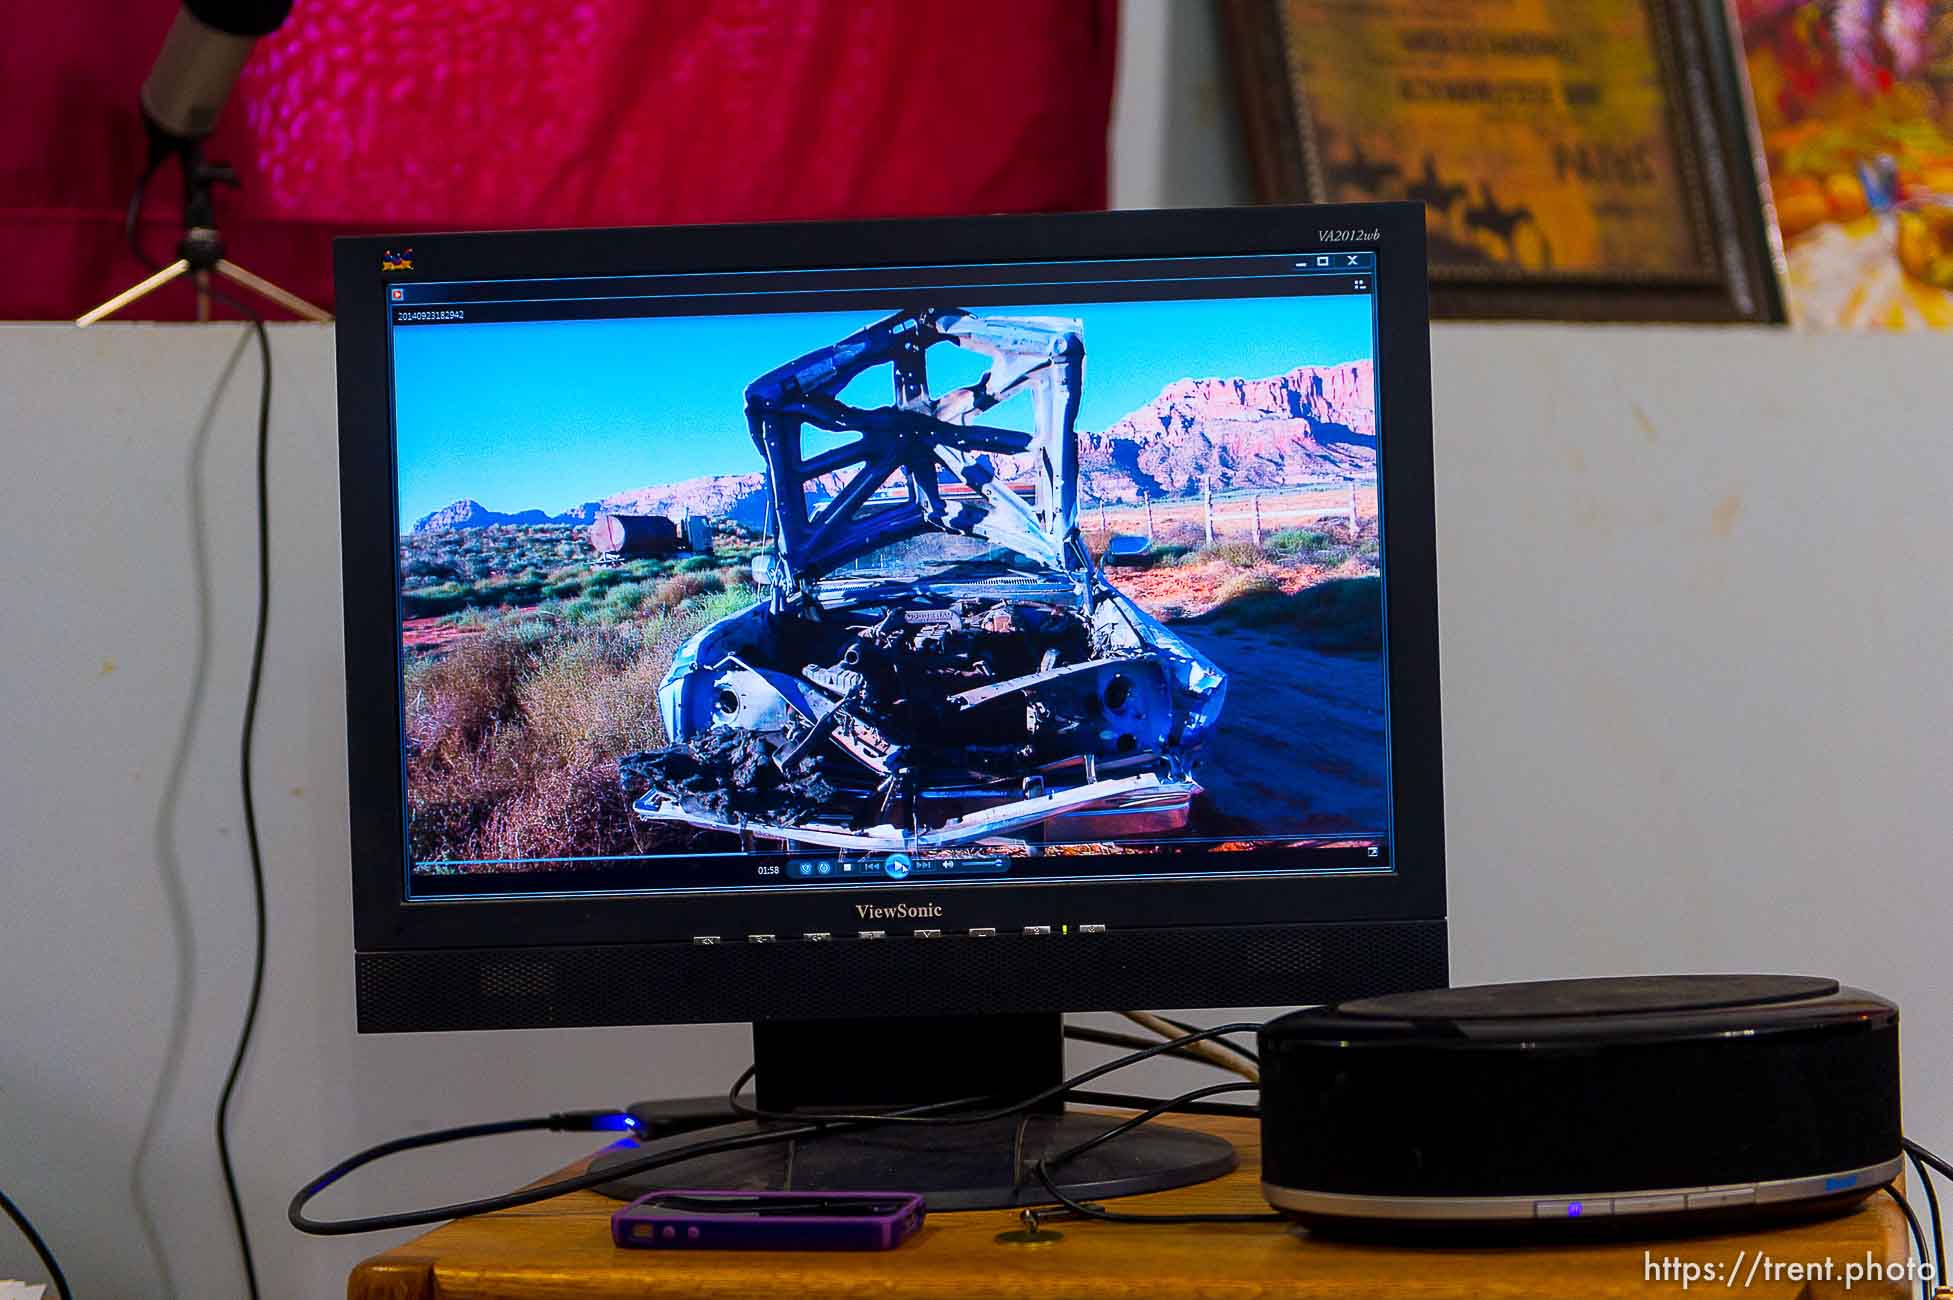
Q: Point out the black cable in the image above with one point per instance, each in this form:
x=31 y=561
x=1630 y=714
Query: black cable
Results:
x=34 y=1239
x=1932 y=1207
x=247 y=735
x=511 y=1200
x=246 y=740
x=1230 y=1044
x=802 y=1126
x=980 y=1117
x=132 y=216
x=1152 y=1112
x=1918 y=1238
x=1921 y=1153
x=1129 y=1101
x=1131 y=1042
x=1043 y=1167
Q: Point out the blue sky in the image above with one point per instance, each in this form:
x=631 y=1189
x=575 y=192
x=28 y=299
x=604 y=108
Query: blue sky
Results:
x=550 y=414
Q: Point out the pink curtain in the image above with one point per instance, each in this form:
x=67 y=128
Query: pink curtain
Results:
x=363 y=116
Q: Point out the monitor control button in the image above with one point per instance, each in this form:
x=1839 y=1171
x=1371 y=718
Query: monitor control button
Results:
x=817 y=936
x=1666 y=1204
x=759 y=938
x=1577 y=1208
x=928 y=934
x=705 y=938
x=1721 y=1197
x=1037 y=929
x=874 y=934
x=1093 y=928
x=691 y=1233
x=983 y=931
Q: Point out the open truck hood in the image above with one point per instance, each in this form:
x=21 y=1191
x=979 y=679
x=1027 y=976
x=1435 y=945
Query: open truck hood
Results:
x=922 y=462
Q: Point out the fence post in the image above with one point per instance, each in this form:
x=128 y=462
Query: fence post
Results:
x=1102 y=527
x=1147 y=497
x=1256 y=501
x=1352 y=503
x=1207 y=506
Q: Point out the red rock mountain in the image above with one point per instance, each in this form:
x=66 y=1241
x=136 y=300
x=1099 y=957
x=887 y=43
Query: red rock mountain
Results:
x=739 y=497
x=1313 y=423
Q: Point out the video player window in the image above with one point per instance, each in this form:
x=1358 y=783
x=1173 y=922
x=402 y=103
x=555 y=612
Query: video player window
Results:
x=961 y=574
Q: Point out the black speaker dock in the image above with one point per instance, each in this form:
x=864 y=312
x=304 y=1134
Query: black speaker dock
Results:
x=1565 y=1105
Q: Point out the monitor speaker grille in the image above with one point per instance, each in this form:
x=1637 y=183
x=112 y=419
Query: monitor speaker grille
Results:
x=624 y=984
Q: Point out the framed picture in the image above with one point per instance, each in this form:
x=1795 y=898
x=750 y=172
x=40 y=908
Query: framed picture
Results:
x=1854 y=116
x=1578 y=159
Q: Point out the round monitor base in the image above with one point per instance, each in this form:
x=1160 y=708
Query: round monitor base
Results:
x=954 y=1167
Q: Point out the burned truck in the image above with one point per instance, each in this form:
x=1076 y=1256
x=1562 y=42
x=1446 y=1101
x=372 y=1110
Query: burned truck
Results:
x=938 y=660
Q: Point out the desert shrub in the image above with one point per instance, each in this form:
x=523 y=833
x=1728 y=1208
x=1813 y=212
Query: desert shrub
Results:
x=512 y=591
x=1182 y=531
x=734 y=576
x=458 y=699
x=1296 y=541
x=594 y=698
x=697 y=563
x=625 y=596
x=1246 y=588
x=431 y=602
x=450 y=805
x=563 y=589
x=514 y=734
x=679 y=588
x=1327 y=545
x=428 y=568
x=1342 y=615
x=1241 y=555
x=716 y=605
x=1169 y=552
x=562 y=812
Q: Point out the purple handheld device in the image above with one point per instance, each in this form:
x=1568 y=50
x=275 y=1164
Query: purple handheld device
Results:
x=696 y=1220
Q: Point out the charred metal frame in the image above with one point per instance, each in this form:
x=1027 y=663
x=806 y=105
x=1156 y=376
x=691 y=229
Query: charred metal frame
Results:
x=919 y=436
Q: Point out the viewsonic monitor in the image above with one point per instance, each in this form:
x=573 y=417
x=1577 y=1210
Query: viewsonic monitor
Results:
x=894 y=634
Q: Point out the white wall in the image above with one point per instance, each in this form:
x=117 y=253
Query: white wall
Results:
x=1175 y=140
x=1695 y=608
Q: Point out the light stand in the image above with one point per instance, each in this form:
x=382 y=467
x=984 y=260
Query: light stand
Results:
x=201 y=249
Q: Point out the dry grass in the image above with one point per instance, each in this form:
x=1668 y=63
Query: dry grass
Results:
x=513 y=735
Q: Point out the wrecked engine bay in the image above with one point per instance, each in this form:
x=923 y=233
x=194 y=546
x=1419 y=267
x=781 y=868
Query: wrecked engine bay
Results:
x=889 y=724
x=938 y=660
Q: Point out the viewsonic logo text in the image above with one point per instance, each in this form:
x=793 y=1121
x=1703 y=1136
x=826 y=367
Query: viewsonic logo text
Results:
x=899 y=912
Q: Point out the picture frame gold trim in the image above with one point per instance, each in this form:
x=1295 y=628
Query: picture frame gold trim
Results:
x=1734 y=276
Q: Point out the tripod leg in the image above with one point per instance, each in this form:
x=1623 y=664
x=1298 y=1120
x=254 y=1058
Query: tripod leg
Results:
x=202 y=279
x=134 y=292
x=291 y=302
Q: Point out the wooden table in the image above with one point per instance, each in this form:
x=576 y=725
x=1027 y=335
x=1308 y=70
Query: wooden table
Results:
x=562 y=1248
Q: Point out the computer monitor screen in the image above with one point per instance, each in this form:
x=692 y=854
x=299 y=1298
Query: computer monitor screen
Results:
x=968 y=574
x=933 y=619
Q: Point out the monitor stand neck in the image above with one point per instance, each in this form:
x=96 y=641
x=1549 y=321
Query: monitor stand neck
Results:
x=853 y=1065
x=828 y=1066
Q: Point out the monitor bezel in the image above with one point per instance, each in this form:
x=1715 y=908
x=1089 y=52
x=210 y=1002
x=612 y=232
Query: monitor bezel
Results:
x=386 y=920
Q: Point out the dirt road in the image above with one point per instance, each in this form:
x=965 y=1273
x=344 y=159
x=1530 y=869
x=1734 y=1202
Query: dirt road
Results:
x=1300 y=743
